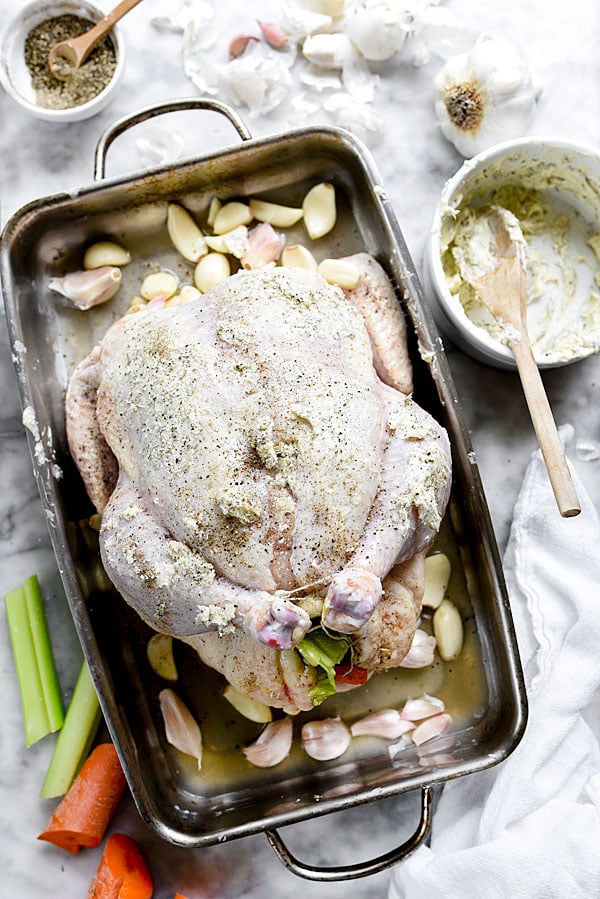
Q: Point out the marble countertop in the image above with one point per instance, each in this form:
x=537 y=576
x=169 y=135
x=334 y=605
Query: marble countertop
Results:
x=39 y=159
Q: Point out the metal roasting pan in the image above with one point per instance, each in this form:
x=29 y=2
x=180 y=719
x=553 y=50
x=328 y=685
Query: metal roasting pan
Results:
x=483 y=689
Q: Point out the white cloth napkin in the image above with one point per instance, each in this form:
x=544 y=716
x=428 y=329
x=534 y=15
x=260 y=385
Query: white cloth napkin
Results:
x=530 y=827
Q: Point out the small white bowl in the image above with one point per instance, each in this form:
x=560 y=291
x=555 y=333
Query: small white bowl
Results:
x=15 y=77
x=523 y=162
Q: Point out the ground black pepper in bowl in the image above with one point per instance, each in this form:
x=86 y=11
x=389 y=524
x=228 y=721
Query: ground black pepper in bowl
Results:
x=82 y=84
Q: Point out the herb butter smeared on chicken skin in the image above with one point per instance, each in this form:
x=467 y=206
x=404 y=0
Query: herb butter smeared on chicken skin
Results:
x=257 y=460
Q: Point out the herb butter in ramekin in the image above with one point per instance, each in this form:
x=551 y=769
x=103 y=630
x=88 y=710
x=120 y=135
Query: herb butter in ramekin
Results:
x=553 y=189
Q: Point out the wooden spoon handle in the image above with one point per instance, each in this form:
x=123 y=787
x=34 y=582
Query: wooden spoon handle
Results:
x=545 y=429
x=85 y=43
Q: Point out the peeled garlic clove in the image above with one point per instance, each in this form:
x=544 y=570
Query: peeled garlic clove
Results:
x=160 y=655
x=273 y=745
x=274 y=35
x=275 y=214
x=333 y=8
x=233 y=242
x=319 y=210
x=421 y=652
x=181 y=728
x=437 y=576
x=105 y=252
x=299 y=257
x=448 y=630
x=231 y=216
x=327 y=51
x=430 y=728
x=186 y=236
x=189 y=293
x=339 y=272
x=264 y=247
x=325 y=739
x=159 y=283
x=423 y=707
x=239 y=44
x=248 y=707
x=211 y=269
x=387 y=723
x=215 y=205
x=88 y=288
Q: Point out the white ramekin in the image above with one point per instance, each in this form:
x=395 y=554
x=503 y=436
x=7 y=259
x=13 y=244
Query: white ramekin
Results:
x=15 y=77
x=491 y=169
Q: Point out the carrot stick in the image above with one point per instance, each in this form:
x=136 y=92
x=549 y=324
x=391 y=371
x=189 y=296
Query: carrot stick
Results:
x=122 y=873
x=82 y=817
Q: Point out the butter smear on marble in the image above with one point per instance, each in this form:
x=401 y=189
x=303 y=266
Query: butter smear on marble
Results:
x=562 y=264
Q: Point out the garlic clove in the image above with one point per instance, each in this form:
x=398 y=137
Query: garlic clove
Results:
x=325 y=739
x=189 y=293
x=186 y=236
x=105 y=252
x=211 y=269
x=327 y=51
x=298 y=256
x=160 y=656
x=88 y=288
x=424 y=707
x=421 y=652
x=319 y=208
x=275 y=36
x=339 y=272
x=248 y=707
x=333 y=8
x=231 y=216
x=484 y=96
x=239 y=44
x=448 y=630
x=159 y=283
x=215 y=205
x=181 y=728
x=233 y=242
x=264 y=247
x=274 y=214
x=273 y=745
x=437 y=577
x=430 y=728
x=387 y=723
x=378 y=32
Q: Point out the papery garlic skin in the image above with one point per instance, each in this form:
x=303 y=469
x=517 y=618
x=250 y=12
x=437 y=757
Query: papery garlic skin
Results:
x=379 y=32
x=484 y=96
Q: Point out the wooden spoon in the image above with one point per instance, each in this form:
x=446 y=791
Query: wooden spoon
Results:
x=76 y=50
x=502 y=291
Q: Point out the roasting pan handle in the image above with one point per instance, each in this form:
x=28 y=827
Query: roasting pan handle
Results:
x=150 y=112
x=361 y=869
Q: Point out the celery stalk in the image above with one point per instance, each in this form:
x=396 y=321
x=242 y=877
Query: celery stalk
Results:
x=43 y=653
x=74 y=741
x=35 y=715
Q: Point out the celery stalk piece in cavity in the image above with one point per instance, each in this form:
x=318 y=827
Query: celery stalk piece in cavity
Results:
x=35 y=716
x=53 y=701
x=75 y=739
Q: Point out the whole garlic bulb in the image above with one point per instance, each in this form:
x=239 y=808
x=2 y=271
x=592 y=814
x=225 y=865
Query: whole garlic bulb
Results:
x=484 y=96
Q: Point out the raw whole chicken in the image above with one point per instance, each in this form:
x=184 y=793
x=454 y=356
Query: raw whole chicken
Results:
x=256 y=448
